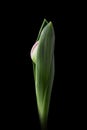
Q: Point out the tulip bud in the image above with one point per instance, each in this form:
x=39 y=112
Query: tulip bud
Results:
x=42 y=55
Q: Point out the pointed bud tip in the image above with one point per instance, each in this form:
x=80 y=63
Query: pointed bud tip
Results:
x=50 y=24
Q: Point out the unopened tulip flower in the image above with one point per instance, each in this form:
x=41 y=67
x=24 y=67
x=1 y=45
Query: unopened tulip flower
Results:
x=42 y=55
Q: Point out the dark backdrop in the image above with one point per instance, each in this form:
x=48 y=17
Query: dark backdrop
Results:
x=22 y=23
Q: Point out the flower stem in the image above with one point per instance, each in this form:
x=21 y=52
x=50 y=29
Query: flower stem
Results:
x=44 y=125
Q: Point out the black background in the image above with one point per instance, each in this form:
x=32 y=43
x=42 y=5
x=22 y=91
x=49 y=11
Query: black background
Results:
x=21 y=23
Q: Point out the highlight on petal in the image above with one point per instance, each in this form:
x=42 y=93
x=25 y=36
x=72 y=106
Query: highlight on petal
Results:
x=33 y=52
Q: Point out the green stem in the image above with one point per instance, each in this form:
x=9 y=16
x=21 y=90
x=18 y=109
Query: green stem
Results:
x=44 y=125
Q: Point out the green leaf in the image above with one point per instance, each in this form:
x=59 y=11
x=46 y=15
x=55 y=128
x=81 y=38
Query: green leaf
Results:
x=42 y=26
